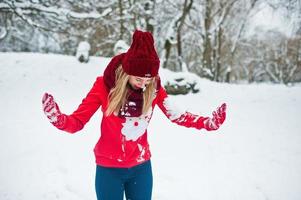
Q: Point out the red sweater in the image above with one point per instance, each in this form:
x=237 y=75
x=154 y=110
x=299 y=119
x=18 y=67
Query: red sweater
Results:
x=123 y=141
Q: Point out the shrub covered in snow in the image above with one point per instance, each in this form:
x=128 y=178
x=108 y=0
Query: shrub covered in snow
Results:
x=120 y=47
x=82 y=53
x=180 y=86
x=180 y=82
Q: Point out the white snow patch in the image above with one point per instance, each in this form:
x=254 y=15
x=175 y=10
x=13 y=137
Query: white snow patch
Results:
x=256 y=153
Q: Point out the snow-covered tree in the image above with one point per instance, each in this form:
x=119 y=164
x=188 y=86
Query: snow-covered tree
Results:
x=206 y=37
x=60 y=22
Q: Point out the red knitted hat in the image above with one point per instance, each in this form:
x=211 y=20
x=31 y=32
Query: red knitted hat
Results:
x=141 y=59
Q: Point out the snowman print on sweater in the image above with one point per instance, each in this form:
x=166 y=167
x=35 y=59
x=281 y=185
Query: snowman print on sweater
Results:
x=135 y=127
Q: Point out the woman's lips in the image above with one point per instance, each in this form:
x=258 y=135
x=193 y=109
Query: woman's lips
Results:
x=137 y=86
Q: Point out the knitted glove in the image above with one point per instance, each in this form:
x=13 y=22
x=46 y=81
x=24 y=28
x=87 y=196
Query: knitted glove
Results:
x=53 y=112
x=217 y=119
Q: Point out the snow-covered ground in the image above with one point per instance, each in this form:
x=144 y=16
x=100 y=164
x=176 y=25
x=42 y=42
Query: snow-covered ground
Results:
x=255 y=155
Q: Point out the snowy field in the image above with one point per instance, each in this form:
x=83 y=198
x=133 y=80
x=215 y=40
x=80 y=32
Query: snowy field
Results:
x=255 y=155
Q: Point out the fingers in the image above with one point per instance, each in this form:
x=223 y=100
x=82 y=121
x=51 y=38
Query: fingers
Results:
x=48 y=103
x=52 y=110
x=222 y=108
x=44 y=97
x=47 y=98
x=210 y=125
x=219 y=115
x=218 y=118
x=222 y=113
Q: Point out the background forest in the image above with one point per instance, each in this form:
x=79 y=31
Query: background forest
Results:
x=215 y=39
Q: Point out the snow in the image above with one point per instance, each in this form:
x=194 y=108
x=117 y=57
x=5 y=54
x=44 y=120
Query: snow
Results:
x=173 y=112
x=255 y=155
x=3 y=32
x=120 y=47
x=83 y=51
x=172 y=78
x=59 y=11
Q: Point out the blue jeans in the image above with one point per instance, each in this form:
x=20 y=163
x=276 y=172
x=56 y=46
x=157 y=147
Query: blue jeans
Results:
x=136 y=182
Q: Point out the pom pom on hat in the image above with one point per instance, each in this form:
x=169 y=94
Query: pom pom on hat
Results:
x=141 y=59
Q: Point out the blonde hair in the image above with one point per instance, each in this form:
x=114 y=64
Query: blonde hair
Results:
x=119 y=94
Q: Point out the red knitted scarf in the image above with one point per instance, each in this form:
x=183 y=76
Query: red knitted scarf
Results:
x=134 y=103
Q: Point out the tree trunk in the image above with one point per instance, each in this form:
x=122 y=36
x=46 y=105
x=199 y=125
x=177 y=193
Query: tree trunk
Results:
x=122 y=28
x=218 y=54
x=167 y=47
x=150 y=17
x=180 y=22
x=207 y=53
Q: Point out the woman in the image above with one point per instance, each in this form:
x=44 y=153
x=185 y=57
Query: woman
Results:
x=127 y=93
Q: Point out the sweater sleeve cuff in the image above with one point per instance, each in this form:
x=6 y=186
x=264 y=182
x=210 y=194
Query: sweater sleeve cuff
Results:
x=71 y=124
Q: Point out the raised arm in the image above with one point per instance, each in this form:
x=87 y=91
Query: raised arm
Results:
x=77 y=120
x=188 y=119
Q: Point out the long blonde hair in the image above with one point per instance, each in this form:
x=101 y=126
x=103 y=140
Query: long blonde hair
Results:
x=119 y=94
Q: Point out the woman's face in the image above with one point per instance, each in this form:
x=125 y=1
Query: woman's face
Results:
x=138 y=82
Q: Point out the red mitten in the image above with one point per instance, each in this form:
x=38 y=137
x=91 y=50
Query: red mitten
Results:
x=217 y=119
x=52 y=111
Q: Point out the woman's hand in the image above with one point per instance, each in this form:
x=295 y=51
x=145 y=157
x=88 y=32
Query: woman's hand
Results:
x=217 y=119
x=52 y=111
